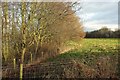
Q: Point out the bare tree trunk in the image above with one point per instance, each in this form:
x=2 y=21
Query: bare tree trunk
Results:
x=23 y=40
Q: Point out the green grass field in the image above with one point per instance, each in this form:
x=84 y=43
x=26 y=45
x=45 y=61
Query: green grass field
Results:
x=92 y=48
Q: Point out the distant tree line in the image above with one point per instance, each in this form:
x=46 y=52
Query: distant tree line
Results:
x=104 y=32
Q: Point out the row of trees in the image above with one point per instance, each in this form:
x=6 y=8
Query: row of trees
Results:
x=103 y=33
x=31 y=30
x=35 y=30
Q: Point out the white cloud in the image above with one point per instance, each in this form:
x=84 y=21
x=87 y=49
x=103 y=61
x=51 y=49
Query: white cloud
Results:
x=91 y=26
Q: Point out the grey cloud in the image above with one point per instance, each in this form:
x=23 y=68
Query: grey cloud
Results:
x=104 y=12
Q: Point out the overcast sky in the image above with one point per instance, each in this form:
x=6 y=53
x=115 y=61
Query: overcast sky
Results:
x=95 y=15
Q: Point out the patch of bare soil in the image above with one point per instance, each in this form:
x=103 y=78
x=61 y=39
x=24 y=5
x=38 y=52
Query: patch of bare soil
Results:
x=106 y=67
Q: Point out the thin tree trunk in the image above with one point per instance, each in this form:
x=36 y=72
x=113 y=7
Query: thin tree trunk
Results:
x=23 y=40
